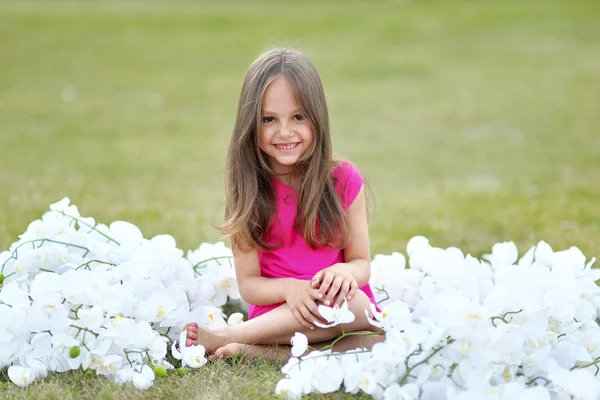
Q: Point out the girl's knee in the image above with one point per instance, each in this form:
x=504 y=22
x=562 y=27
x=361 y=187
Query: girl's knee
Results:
x=361 y=302
x=360 y=305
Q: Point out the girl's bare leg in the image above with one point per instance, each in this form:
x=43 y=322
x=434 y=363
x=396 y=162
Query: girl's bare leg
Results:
x=277 y=327
x=283 y=352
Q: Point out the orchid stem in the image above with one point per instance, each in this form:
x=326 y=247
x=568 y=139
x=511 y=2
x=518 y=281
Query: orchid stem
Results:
x=15 y=254
x=88 y=225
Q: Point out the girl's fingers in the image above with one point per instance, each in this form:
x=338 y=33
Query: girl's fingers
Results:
x=327 y=279
x=333 y=291
x=301 y=319
x=312 y=307
x=306 y=314
x=344 y=290
x=314 y=294
x=316 y=280
x=353 y=289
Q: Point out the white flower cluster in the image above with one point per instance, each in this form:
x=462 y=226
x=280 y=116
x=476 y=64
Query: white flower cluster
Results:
x=79 y=295
x=76 y=294
x=461 y=328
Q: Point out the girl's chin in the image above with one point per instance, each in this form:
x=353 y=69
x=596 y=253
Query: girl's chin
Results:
x=283 y=164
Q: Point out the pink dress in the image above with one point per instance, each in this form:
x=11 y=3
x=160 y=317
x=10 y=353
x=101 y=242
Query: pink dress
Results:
x=295 y=259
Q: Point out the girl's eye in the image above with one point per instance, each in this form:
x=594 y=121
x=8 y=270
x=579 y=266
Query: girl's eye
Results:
x=268 y=119
x=299 y=117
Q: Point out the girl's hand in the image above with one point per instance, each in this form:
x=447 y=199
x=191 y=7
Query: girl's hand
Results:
x=334 y=284
x=302 y=301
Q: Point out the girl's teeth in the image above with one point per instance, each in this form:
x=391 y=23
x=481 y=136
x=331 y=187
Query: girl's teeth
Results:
x=288 y=147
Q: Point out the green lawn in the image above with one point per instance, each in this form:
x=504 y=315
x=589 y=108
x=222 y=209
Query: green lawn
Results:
x=474 y=122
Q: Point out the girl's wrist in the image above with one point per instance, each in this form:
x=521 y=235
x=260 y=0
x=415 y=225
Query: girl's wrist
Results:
x=288 y=287
x=341 y=267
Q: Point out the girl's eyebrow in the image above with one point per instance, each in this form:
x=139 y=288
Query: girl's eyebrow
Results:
x=297 y=110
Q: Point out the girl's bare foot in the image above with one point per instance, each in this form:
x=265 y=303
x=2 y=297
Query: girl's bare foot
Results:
x=231 y=350
x=211 y=340
x=283 y=352
x=252 y=352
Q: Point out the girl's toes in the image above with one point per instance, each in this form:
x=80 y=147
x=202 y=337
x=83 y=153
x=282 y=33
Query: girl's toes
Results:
x=229 y=350
x=191 y=329
x=190 y=326
x=218 y=353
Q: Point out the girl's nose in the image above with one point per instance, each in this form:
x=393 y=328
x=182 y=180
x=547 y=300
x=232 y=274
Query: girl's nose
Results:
x=285 y=131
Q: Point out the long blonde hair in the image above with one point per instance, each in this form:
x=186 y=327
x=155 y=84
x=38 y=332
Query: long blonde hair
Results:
x=250 y=200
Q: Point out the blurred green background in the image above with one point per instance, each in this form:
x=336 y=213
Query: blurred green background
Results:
x=473 y=121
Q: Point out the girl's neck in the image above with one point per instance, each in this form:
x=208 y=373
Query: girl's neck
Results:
x=286 y=176
x=289 y=180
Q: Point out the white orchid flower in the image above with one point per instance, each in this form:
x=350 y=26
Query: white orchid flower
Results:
x=194 y=356
x=182 y=344
x=235 y=319
x=21 y=376
x=13 y=295
x=335 y=315
x=395 y=315
x=288 y=389
x=299 y=344
x=143 y=377
x=503 y=254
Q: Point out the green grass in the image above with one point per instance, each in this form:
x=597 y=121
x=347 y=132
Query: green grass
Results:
x=474 y=122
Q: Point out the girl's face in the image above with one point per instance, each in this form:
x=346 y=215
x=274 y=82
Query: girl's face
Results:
x=285 y=134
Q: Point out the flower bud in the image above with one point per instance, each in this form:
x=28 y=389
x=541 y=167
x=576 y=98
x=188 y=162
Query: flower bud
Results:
x=160 y=371
x=74 y=352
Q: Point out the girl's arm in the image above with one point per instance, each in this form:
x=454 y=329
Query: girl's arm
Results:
x=256 y=289
x=355 y=271
x=261 y=291
x=357 y=254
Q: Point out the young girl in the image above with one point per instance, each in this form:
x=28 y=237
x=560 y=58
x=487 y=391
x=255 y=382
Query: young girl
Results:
x=296 y=217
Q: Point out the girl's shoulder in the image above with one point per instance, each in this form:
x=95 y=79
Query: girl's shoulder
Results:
x=344 y=170
x=348 y=181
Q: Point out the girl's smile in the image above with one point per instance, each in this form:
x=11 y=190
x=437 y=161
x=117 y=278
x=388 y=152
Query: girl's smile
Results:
x=285 y=133
x=287 y=147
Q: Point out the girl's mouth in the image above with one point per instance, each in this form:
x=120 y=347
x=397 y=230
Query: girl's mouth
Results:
x=286 y=146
